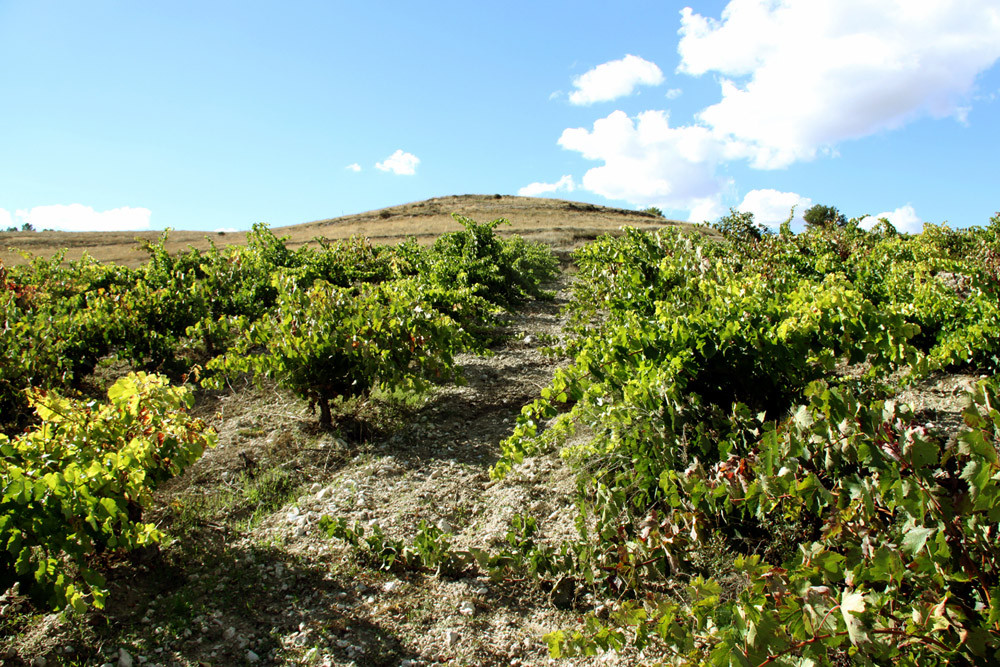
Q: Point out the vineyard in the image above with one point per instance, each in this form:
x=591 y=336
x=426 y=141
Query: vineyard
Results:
x=712 y=450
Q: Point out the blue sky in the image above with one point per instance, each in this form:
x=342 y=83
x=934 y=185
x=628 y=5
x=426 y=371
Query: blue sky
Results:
x=215 y=115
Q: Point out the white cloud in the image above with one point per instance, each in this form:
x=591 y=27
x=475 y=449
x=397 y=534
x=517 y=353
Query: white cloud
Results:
x=564 y=184
x=226 y=230
x=771 y=207
x=6 y=219
x=80 y=218
x=706 y=209
x=353 y=167
x=674 y=93
x=614 y=79
x=647 y=162
x=799 y=76
x=400 y=163
x=904 y=219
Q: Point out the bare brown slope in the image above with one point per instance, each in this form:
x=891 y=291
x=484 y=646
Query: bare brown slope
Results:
x=561 y=224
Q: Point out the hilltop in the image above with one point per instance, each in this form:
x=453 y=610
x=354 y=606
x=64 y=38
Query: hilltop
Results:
x=561 y=224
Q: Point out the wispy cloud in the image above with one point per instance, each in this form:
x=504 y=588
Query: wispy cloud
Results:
x=353 y=167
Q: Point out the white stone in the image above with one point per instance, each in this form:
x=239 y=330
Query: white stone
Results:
x=124 y=659
x=252 y=657
x=390 y=586
x=451 y=637
x=467 y=608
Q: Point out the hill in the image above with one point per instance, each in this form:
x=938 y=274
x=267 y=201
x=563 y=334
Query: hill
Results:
x=561 y=224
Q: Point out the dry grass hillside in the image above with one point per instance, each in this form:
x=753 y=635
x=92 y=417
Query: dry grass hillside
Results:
x=561 y=224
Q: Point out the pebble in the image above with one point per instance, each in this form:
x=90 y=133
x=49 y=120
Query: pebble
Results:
x=124 y=659
x=445 y=527
x=390 y=586
x=252 y=657
x=467 y=608
x=451 y=638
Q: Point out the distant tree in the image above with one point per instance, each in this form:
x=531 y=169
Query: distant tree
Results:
x=11 y=229
x=740 y=226
x=654 y=211
x=824 y=216
x=27 y=227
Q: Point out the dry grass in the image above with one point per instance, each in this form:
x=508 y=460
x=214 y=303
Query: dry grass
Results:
x=561 y=224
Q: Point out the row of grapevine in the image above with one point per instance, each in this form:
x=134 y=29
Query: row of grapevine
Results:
x=176 y=311
x=328 y=322
x=749 y=489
